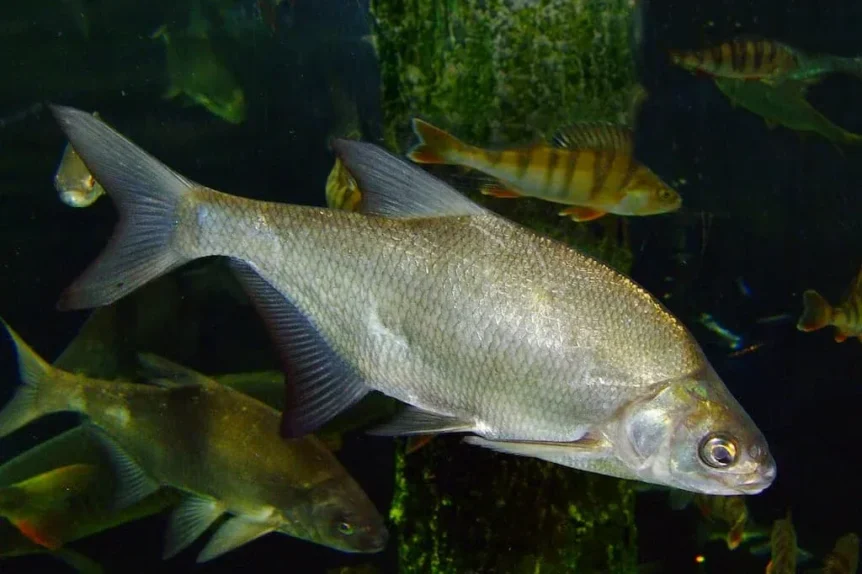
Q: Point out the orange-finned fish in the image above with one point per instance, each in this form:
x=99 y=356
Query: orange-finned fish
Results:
x=846 y=317
x=844 y=558
x=590 y=167
x=783 y=542
x=756 y=58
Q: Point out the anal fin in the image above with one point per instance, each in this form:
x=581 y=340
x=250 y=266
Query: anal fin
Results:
x=188 y=521
x=579 y=213
x=497 y=190
x=321 y=383
x=412 y=421
x=235 y=532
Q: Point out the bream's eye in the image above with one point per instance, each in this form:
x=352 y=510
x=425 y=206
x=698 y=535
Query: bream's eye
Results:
x=718 y=451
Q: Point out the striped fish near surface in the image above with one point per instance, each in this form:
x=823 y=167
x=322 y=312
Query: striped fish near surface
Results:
x=589 y=167
x=770 y=61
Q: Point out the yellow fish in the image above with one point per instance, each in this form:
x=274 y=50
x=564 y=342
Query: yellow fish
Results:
x=762 y=59
x=846 y=317
x=590 y=167
x=74 y=182
x=342 y=191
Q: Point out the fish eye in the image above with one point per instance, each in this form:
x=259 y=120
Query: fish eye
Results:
x=718 y=451
x=345 y=528
x=665 y=194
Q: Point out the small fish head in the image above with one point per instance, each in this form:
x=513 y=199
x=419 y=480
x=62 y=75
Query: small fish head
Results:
x=647 y=194
x=342 y=517
x=693 y=435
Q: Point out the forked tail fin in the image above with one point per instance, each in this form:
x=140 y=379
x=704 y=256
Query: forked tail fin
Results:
x=40 y=393
x=816 y=312
x=435 y=145
x=147 y=195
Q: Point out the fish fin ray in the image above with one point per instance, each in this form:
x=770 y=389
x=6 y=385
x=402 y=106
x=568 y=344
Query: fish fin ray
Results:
x=595 y=136
x=497 y=190
x=235 y=532
x=435 y=145
x=541 y=450
x=394 y=187
x=147 y=195
x=321 y=383
x=188 y=521
x=168 y=374
x=582 y=214
x=133 y=484
x=37 y=395
x=413 y=421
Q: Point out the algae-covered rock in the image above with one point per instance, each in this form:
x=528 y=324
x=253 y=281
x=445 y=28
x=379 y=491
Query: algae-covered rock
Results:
x=503 y=70
x=506 y=72
x=463 y=509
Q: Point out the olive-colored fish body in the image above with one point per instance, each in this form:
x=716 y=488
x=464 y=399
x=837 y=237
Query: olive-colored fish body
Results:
x=74 y=182
x=844 y=558
x=479 y=324
x=591 y=167
x=762 y=59
x=195 y=71
x=783 y=543
x=846 y=317
x=784 y=105
x=215 y=444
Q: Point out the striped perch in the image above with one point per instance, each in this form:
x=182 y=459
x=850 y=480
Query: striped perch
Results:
x=743 y=58
x=588 y=167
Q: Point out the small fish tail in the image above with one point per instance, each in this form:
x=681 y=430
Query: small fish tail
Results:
x=147 y=195
x=435 y=145
x=816 y=312
x=161 y=32
x=40 y=393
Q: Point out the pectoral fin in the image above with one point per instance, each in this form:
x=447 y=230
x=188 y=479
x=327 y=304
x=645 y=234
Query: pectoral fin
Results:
x=233 y=533
x=321 y=383
x=189 y=520
x=412 y=421
x=133 y=484
x=579 y=213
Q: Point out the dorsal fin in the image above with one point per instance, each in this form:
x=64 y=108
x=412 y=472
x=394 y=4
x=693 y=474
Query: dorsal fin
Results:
x=169 y=374
x=394 y=187
x=595 y=135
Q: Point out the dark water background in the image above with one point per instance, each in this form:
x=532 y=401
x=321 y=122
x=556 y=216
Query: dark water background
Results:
x=766 y=207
